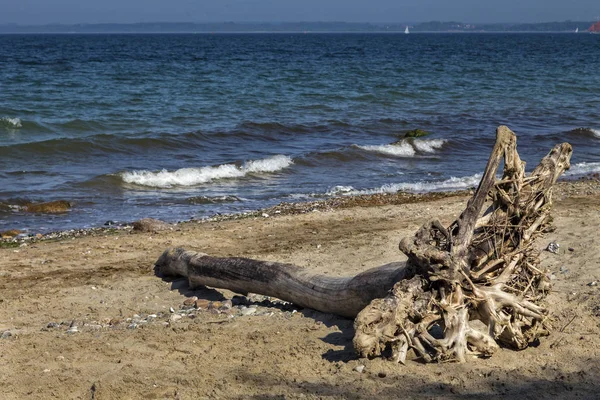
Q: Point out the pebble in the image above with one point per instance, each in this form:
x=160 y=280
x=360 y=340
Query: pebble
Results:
x=248 y=311
x=72 y=330
x=381 y=374
x=171 y=310
x=553 y=247
x=175 y=317
x=265 y=215
x=60 y=358
x=215 y=305
x=201 y=303
x=6 y=334
x=593 y=283
x=52 y=325
x=359 y=368
x=133 y=325
x=226 y=305
x=571 y=249
x=189 y=302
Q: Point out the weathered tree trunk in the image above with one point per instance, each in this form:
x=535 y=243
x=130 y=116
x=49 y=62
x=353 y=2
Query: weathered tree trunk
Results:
x=482 y=267
x=341 y=296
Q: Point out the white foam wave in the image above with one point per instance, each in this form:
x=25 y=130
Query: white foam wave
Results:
x=420 y=187
x=11 y=122
x=428 y=146
x=407 y=147
x=398 y=150
x=197 y=176
x=583 y=168
x=596 y=132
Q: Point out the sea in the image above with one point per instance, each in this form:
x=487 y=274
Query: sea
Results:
x=188 y=126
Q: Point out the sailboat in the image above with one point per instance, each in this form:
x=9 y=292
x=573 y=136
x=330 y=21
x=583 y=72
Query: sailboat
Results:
x=406 y=30
x=576 y=30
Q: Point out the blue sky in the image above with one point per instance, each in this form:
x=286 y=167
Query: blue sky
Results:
x=127 y=11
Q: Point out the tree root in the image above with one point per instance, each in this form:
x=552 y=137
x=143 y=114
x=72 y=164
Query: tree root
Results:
x=481 y=268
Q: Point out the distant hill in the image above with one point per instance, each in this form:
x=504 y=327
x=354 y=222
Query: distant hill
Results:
x=190 y=27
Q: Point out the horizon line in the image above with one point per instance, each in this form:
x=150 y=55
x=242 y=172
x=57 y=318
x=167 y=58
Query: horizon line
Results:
x=284 y=22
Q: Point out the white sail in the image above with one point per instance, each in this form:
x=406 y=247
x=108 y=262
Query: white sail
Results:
x=406 y=30
x=576 y=30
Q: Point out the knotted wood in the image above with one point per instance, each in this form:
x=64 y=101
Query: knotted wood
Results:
x=482 y=267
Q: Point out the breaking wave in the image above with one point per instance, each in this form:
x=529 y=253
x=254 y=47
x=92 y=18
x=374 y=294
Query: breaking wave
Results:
x=419 y=187
x=11 y=123
x=197 y=176
x=407 y=147
x=583 y=168
x=585 y=132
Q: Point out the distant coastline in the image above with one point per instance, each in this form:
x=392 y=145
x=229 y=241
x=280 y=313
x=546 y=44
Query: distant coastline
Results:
x=290 y=27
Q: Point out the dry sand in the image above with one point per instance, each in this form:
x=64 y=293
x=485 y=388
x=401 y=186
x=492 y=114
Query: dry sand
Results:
x=99 y=282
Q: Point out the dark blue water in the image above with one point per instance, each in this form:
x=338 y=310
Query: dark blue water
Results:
x=181 y=126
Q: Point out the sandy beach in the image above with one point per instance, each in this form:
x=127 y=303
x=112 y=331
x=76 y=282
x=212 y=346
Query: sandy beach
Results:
x=86 y=317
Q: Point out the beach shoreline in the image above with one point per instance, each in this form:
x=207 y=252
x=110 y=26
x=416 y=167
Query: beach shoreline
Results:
x=565 y=187
x=86 y=315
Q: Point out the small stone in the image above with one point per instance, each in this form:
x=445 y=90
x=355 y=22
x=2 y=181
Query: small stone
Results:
x=60 y=358
x=150 y=317
x=114 y=322
x=553 y=247
x=171 y=310
x=226 y=305
x=381 y=374
x=175 y=317
x=150 y=225
x=72 y=330
x=593 y=283
x=6 y=334
x=201 y=303
x=265 y=215
x=133 y=325
x=189 y=302
x=359 y=368
x=571 y=249
x=215 y=305
x=248 y=311
x=52 y=325
x=46 y=370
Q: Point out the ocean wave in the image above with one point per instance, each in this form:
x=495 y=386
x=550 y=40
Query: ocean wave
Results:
x=407 y=147
x=583 y=168
x=11 y=123
x=585 y=132
x=419 y=187
x=197 y=176
x=213 y=199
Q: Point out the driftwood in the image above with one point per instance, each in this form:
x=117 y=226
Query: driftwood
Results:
x=341 y=296
x=483 y=267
